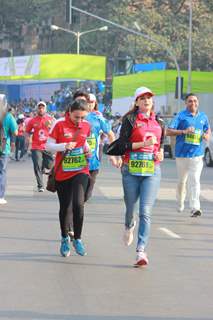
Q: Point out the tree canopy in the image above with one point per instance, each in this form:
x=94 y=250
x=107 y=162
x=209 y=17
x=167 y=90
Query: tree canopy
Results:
x=167 y=21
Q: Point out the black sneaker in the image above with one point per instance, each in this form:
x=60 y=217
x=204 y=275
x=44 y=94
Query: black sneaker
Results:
x=196 y=213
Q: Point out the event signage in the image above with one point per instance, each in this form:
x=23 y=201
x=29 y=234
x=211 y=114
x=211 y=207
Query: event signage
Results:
x=20 y=66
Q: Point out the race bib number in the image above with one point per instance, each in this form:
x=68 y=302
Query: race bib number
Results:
x=92 y=142
x=193 y=138
x=75 y=160
x=141 y=164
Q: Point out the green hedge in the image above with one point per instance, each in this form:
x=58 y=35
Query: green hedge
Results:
x=161 y=82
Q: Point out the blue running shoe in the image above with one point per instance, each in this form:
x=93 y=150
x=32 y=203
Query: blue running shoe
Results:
x=79 y=247
x=65 y=246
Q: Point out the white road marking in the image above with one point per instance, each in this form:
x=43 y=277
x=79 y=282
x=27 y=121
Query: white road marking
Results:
x=170 y=233
x=113 y=192
x=207 y=194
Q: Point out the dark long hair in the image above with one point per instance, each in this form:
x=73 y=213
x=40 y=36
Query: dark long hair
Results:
x=81 y=93
x=78 y=105
x=133 y=109
x=96 y=106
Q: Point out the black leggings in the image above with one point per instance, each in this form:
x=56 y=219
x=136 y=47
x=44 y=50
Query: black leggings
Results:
x=71 y=195
x=91 y=183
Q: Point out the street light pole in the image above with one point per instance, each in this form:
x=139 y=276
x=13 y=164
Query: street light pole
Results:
x=78 y=42
x=78 y=34
x=190 y=49
x=170 y=53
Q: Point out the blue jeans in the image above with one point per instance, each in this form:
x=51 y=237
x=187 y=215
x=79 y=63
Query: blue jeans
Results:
x=3 y=170
x=145 y=189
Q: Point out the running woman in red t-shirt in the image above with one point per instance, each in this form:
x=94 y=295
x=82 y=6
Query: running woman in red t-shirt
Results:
x=141 y=138
x=68 y=138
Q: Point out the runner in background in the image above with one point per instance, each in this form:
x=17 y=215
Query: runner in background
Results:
x=39 y=127
x=20 y=138
x=191 y=128
x=8 y=129
x=116 y=125
x=12 y=111
x=28 y=142
x=99 y=125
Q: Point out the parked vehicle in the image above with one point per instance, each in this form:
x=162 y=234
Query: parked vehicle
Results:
x=208 y=155
x=169 y=142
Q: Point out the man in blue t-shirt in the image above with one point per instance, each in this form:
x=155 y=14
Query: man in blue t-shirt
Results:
x=191 y=128
x=8 y=128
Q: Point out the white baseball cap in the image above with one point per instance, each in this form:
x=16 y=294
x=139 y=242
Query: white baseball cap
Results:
x=92 y=97
x=41 y=103
x=21 y=116
x=141 y=91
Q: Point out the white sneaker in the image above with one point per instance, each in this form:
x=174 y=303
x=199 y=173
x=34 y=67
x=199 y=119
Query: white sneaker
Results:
x=180 y=208
x=3 y=201
x=141 y=259
x=128 y=235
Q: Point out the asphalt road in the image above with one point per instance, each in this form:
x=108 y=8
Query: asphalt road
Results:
x=37 y=283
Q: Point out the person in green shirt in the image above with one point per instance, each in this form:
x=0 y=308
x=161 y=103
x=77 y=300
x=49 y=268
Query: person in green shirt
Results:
x=8 y=128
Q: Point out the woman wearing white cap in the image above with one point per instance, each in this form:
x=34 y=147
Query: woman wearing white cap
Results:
x=141 y=138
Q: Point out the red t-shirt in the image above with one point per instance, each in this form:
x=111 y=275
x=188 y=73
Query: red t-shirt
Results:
x=39 y=126
x=63 y=132
x=143 y=129
x=21 y=129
